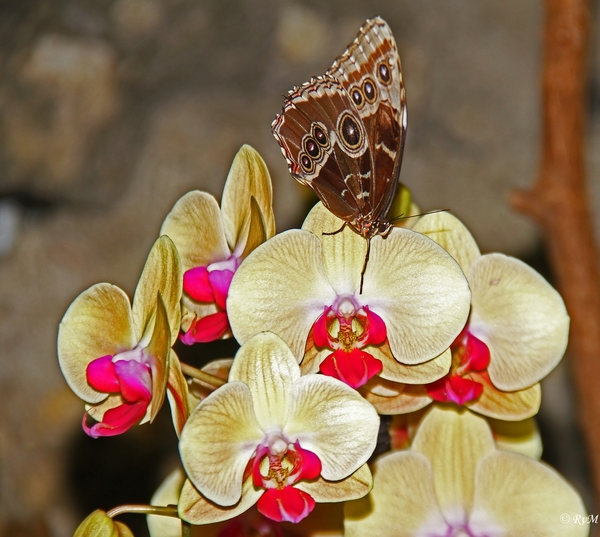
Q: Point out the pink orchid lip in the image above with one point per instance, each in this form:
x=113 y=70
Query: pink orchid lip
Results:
x=209 y=284
x=129 y=375
x=354 y=368
x=287 y=504
x=206 y=329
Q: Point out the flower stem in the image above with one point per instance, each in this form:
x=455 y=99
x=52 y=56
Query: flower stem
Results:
x=186 y=529
x=205 y=378
x=169 y=510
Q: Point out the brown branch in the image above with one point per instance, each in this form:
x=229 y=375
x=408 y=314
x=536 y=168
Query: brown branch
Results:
x=559 y=203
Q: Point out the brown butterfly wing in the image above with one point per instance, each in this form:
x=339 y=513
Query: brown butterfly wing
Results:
x=326 y=146
x=371 y=74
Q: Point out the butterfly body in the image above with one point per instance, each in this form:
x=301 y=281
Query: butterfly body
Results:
x=343 y=133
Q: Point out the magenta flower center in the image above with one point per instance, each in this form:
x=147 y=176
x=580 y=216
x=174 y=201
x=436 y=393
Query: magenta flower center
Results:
x=210 y=285
x=128 y=375
x=277 y=466
x=470 y=360
x=345 y=328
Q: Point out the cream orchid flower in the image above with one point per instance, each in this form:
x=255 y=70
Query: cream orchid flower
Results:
x=516 y=334
x=517 y=436
x=213 y=241
x=273 y=438
x=455 y=483
x=326 y=520
x=118 y=357
x=304 y=284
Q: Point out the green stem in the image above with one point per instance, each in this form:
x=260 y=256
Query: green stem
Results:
x=169 y=510
x=205 y=378
x=186 y=529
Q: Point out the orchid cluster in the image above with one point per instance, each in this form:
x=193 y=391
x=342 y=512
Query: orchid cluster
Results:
x=280 y=439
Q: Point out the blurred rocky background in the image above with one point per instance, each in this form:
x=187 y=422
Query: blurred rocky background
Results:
x=110 y=110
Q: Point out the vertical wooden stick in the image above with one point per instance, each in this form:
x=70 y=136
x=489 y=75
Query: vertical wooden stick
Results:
x=559 y=203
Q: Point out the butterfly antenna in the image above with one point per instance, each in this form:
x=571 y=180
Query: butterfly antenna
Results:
x=402 y=217
x=362 y=273
x=336 y=231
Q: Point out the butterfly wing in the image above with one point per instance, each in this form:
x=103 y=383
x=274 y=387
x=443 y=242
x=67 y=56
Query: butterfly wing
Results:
x=371 y=74
x=342 y=134
x=326 y=146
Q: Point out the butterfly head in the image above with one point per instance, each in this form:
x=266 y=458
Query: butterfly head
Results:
x=370 y=228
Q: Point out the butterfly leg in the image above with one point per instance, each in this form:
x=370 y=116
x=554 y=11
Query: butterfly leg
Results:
x=362 y=273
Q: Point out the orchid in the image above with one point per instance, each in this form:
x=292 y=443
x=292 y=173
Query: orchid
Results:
x=517 y=436
x=213 y=241
x=304 y=284
x=325 y=520
x=454 y=481
x=274 y=438
x=516 y=334
x=117 y=357
x=384 y=311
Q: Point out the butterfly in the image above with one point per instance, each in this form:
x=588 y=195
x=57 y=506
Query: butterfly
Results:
x=342 y=133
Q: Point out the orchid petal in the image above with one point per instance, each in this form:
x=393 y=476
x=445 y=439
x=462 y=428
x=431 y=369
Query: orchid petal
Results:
x=393 y=398
x=320 y=335
x=217 y=442
x=509 y=406
x=166 y=494
x=162 y=274
x=219 y=282
x=520 y=317
x=343 y=251
x=376 y=327
x=98 y=323
x=419 y=291
x=354 y=368
x=159 y=349
x=423 y=373
x=219 y=368
x=257 y=234
x=525 y=497
x=402 y=502
x=96 y=411
x=451 y=234
x=196 y=227
x=177 y=393
x=311 y=465
x=118 y=420
x=282 y=288
x=101 y=375
x=248 y=177
x=465 y=438
x=454 y=389
x=268 y=367
x=402 y=208
x=285 y=505
x=353 y=487
x=197 y=286
x=518 y=436
x=206 y=329
x=196 y=509
x=135 y=381
x=333 y=421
